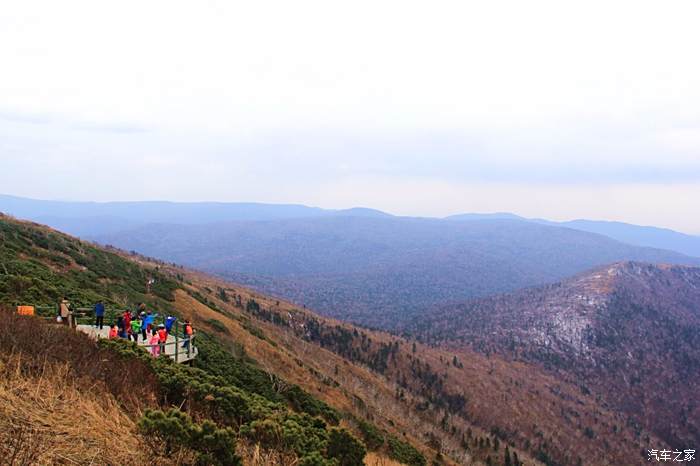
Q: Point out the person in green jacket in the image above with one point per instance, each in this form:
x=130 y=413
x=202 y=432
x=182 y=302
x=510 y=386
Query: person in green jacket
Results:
x=135 y=329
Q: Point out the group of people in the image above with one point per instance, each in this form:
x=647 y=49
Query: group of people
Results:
x=129 y=325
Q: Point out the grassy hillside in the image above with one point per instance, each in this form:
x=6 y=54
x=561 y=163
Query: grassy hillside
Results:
x=268 y=369
x=39 y=266
x=227 y=396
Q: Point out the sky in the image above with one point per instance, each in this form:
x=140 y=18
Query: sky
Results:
x=560 y=110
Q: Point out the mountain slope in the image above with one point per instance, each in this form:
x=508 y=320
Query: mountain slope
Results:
x=38 y=265
x=455 y=406
x=630 y=331
x=379 y=271
x=448 y=396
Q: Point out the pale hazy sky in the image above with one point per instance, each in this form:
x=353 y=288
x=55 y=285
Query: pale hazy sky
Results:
x=554 y=109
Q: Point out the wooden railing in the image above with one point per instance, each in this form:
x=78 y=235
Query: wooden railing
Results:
x=188 y=354
x=86 y=316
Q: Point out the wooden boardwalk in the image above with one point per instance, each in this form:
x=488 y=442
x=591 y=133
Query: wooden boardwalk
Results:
x=173 y=347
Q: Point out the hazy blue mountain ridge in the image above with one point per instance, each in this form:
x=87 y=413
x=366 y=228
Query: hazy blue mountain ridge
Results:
x=94 y=219
x=379 y=270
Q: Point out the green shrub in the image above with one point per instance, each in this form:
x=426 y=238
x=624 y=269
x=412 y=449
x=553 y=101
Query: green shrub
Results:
x=372 y=436
x=315 y=459
x=174 y=429
x=405 y=453
x=303 y=402
x=345 y=448
x=218 y=326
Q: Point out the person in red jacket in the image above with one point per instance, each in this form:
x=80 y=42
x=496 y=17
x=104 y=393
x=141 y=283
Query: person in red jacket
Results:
x=127 y=322
x=188 y=332
x=162 y=338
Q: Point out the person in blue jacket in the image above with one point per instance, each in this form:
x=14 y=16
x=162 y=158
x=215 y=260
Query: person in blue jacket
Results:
x=169 y=321
x=99 y=314
x=142 y=318
x=148 y=321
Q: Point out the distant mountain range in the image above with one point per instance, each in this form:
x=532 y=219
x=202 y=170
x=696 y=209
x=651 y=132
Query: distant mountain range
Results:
x=628 y=331
x=661 y=238
x=380 y=271
x=92 y=219
x=361 y=265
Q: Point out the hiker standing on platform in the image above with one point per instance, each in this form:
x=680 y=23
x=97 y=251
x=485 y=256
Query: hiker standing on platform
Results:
x=148 y=321
x=188 y=334
x=136 y=329
x=65 y=312
x=144 y=330
x=126 y=317
x=169 y=321
x=154 y=342
x=121 y=331
x=99 y=314
x=162 y=337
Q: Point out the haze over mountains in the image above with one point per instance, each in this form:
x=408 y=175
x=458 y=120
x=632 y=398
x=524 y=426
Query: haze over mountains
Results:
x=88 y=219
x=361 y=265
x=377 y=271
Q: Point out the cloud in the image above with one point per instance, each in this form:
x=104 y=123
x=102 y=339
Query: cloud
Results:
x=110 y=128
x=21 y=117
x=316 y=101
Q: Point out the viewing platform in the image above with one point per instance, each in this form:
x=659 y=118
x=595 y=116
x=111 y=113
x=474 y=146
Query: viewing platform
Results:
x=173 y=347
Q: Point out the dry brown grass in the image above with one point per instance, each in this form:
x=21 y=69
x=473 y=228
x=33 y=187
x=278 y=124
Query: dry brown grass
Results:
x=49 y=418
x=374 y=459
x=64 y=400
x=254 y=455
x=41 y=344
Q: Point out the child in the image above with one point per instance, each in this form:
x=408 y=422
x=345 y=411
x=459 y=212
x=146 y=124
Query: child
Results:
x=155 y=347
x=113 y=332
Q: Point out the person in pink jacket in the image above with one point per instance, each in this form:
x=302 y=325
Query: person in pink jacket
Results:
x=154 y=340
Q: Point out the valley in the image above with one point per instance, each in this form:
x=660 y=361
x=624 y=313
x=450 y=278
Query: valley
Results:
x=455 y=400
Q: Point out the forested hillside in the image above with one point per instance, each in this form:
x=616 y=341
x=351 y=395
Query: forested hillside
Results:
x=629 y=331
x=276 y=374
x=381 y=271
